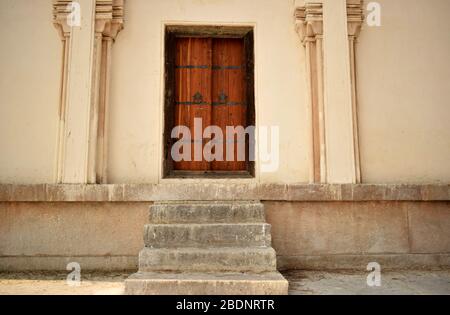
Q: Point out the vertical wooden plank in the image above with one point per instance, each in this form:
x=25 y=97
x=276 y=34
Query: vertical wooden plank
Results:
x=193 y=92
x=229 y=95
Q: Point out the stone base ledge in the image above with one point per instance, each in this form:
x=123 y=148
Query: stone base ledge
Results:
x=299 y=262
x=223 y=191
x=59 y=263
x=359 y=262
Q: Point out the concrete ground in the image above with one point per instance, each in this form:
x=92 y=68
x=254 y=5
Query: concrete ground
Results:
x=392 y=283
x=300 y=282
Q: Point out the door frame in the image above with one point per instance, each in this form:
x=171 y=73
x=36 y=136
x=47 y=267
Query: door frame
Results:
x=171 y=32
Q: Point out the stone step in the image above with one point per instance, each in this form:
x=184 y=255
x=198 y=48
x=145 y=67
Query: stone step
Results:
x=152 y=283
x=207 y=235
x=207 y=212
x=204 y=248
x=230 y=259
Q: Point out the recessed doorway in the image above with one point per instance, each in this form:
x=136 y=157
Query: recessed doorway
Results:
x=209 y=77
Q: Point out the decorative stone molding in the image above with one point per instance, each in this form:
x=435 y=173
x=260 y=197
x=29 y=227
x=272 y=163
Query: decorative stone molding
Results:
x=355 y=17
x=210 y=191
x=108 y=21
x=309 y=25
x=108 y=17
x=309 y=21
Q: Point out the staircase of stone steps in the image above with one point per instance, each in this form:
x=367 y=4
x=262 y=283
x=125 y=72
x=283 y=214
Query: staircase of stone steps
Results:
x=207 y=248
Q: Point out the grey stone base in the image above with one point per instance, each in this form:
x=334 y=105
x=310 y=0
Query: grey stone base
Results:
x=59 y=263
x=359 y=262
x=272 y=283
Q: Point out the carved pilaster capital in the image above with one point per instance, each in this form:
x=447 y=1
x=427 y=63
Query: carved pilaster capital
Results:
x=309 y=21
x=355 y=17
x=108 y=17
x=61 y=12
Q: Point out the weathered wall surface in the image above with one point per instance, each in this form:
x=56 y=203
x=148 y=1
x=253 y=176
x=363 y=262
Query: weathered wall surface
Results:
x=44 y=236
x=328 y=235
x=403 y=89
x=306 y=235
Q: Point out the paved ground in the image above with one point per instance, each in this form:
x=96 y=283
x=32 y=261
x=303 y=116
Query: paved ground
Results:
x=301 y=282
x=398 y=282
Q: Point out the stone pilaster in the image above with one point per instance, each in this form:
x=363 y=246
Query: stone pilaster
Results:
x=82 y=136
x=331 y=80
x=355 y=18
x=309 y=25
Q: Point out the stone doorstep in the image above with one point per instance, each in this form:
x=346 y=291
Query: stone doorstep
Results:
x=207 y=235
x=208 y=256
x=211 y=212
x=151 y=283
x=232 y=259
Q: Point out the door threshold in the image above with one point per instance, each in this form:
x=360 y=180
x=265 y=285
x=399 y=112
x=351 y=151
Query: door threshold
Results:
x=209 y=174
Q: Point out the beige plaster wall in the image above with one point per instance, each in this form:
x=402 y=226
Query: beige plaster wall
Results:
x=30 y=65
x=403 y=76
x=137 y=86
x=403 y=88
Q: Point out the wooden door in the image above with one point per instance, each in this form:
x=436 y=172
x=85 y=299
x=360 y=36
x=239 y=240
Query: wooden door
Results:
x=210 y=84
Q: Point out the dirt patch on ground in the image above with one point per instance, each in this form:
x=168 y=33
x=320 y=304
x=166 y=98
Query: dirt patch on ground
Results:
x=55 y=283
